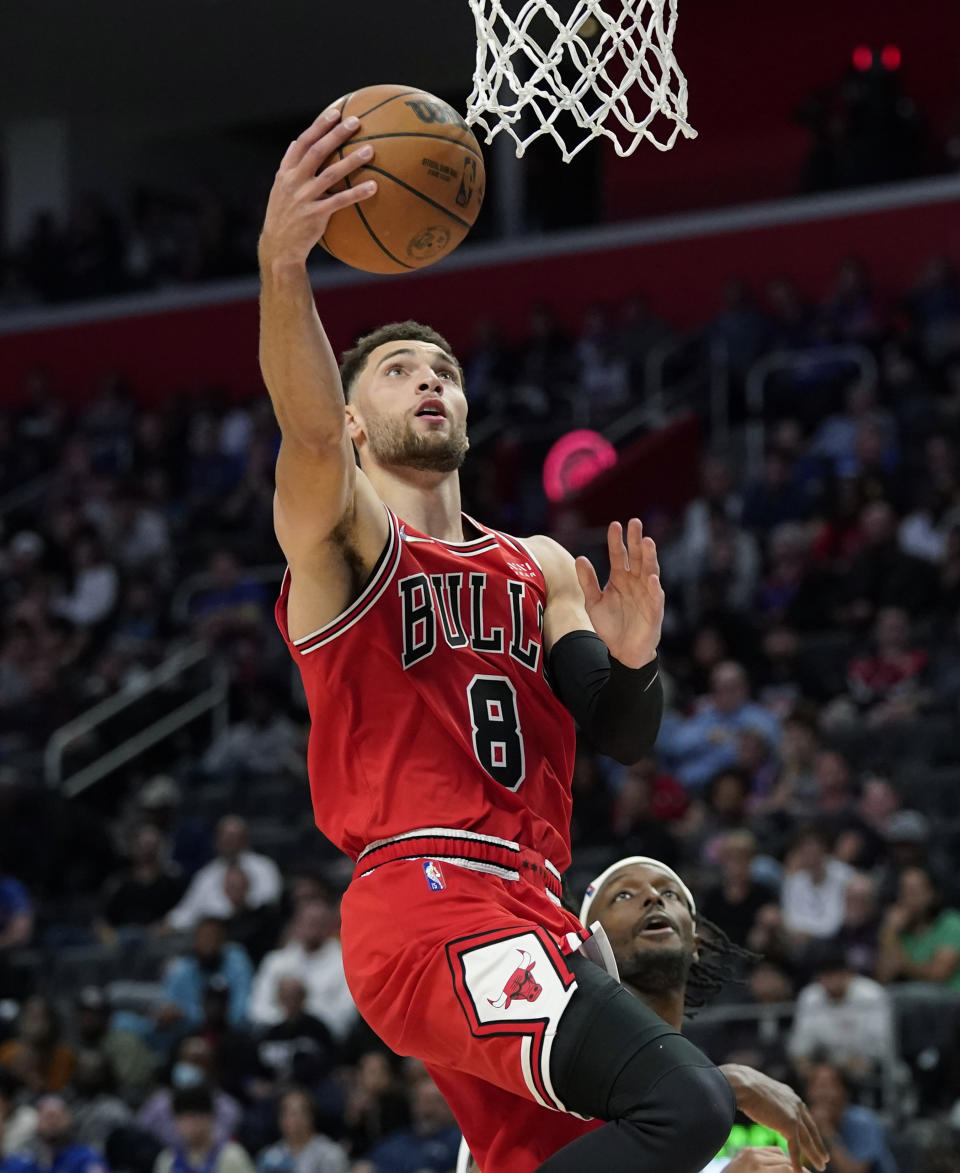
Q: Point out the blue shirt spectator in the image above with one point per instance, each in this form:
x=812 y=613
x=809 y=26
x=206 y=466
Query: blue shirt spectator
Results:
x=213 y=957
x=54 y=1151
x=849 y=1131
x=429 y=1146
x=16 y=913
x=698 y=747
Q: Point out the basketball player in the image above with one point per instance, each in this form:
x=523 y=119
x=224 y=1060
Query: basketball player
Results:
x=673 y=960
x=444 y=664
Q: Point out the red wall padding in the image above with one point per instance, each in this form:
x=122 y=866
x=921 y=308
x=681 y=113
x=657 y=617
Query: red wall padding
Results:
x=682 y=279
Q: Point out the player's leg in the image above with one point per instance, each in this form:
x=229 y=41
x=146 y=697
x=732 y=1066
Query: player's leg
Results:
x=668 y=1106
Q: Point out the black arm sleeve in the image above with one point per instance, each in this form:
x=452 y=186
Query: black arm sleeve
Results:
x=618 y=708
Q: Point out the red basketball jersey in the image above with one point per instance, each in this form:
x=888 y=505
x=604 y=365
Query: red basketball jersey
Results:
x=428 y=701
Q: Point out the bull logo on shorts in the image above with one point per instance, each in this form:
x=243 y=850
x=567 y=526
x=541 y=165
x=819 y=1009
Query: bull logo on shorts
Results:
x=521 y=985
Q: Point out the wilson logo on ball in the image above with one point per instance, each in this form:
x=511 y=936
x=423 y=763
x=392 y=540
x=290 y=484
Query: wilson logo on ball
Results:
x=435 y=113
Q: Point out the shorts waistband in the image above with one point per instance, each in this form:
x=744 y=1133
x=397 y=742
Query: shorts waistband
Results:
x=499 y=857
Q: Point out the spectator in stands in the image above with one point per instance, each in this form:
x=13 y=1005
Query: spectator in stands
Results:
x=301 y=1149
x=880 y=575
x=160 y=802
x=723 y=574
x=796 y=785
x=835 y=440
x=235 y=1060
x=740 y=327
x=718 y=493
x=18 y=1120
x=721 y=809
x=95 y=584
x=814 y=887
x=735 y=902
x=859 y=934
x=920 y=939
x=429 y=1145
x=299 y=1048
x=264 y=742
x=776 y=498
x=312 y=954
x=634 y=824
x=54 y=1149
x=146 y=891
x=791 y=591
x=189 y=976
x=16 y=923
x=126 y=1055
x=232 y=605
x=701 y=745
x=909 y=844
x=842 y=1018
x=192 y=1070
x=206 y=896
x=196 y=1145
x=854 y=840
x=256 y=928
x=376 y=1101
x=97 y=1109
x=887 y=686
x=855 y=1137
x=36 y=1055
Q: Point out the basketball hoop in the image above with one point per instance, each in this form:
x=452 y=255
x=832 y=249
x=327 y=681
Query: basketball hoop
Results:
x=606 y=58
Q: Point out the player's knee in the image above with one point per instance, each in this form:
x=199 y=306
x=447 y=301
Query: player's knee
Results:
x=688 y=1111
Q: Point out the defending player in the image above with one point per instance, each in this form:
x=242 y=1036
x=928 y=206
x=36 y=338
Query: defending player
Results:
x=673 y=960
x=440 y=757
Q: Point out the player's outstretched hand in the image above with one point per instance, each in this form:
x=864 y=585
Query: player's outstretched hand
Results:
x=760 y=1160
x=776 y=1105
x=628 y=613
x=301 y=202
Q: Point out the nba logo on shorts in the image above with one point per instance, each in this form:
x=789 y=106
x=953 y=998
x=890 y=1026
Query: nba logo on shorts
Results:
x=434 y=876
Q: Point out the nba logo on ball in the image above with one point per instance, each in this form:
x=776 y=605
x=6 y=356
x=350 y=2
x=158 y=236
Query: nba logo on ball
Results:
x=434 y=876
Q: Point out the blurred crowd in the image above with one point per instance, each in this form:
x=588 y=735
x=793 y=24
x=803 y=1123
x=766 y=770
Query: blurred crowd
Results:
x=171 y=992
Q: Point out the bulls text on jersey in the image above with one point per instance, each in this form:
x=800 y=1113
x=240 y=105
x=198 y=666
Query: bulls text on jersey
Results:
x=426 y=597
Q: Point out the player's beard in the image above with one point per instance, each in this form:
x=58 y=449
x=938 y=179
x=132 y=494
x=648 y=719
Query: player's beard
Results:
x=394 y=442
x=657 y=971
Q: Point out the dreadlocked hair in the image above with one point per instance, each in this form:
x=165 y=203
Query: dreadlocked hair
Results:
x=719 y=963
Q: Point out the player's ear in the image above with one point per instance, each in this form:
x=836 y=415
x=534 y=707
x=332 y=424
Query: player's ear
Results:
x=696 y=945
x=354 y=422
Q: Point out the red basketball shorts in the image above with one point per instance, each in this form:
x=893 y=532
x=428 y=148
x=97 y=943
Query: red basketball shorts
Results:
x=466 y=971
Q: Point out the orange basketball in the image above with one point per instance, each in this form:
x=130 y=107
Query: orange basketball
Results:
x=430 y=182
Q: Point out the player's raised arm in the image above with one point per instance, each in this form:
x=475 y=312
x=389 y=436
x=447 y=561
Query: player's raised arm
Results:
x=601 y=644
x=316 y=473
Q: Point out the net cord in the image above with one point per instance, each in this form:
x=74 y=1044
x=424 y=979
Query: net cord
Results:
x=518 y=81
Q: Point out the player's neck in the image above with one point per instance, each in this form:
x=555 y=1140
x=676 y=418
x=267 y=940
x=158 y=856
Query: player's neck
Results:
x=668 y=1004
x=428 y=502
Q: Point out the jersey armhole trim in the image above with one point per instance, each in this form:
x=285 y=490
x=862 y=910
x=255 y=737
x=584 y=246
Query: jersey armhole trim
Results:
x=377 y=583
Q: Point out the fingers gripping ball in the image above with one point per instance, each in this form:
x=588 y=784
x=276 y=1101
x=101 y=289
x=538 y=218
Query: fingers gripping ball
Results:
x=430 y=182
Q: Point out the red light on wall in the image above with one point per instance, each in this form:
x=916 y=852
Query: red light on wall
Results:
x=575 y=459
x=862 y=58
x=891 y=57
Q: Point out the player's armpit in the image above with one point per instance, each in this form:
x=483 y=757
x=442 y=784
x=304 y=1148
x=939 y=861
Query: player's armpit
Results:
x=332 y=529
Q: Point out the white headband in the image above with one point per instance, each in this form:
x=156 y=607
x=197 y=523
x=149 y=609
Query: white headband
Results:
x=595 y=885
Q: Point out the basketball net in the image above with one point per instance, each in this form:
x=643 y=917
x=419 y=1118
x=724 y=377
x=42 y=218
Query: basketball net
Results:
x=597 y=65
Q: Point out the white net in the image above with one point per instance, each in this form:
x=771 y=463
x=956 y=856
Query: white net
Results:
x=606 y=69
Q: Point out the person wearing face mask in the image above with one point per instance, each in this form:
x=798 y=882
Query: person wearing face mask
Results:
x=192 y=1068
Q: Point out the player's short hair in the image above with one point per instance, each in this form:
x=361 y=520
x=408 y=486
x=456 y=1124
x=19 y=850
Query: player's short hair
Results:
x=354 y=360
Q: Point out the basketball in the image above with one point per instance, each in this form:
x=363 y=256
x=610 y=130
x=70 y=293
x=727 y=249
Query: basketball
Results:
x=430 y=181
